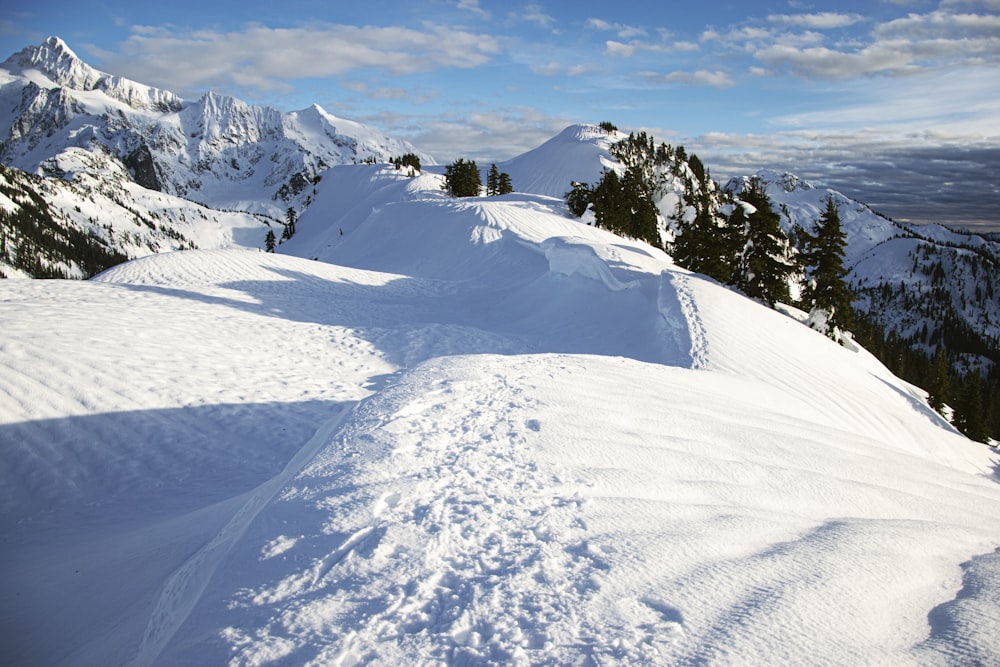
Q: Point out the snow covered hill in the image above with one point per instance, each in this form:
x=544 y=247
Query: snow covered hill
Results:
x=217 y=150
x=478 y=432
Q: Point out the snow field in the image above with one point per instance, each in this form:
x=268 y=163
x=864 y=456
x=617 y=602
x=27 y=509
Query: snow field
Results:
x=484 y=434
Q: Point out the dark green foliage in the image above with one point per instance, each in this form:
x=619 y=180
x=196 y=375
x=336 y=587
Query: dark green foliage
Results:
x=608 y=126
x=290 y=219
x=34 y=241
x=936 y=325
x=711 y=245
x=826 y=287
x=506 y=185
x=697 y=168
x=492 y=181
x=641 y=218
x=407 y=160
x=269 y=241
x=461 y=179
x=498 y=182
x=578 y=198
x=765 y=265
x=610 y=209
x=938 y=385
x=970 y=417
x=975 y=417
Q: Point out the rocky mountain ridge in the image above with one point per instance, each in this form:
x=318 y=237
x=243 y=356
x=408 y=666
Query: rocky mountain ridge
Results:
x=217 y=150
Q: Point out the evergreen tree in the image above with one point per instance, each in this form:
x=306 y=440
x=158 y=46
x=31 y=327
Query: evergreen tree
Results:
x=407 y=160
x=290 y=219
x=710 y=245
x=506 y=185
x=970 y=417
x=493 y=181
x=765 y=264
x=641 y=210
x=462 y=179
x=611 y=211
x=937 y=386
x=578 y=198
x=825 y=288
x=269 y=241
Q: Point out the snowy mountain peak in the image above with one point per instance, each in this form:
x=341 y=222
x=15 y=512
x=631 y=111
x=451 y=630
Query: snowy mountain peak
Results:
x=61 y=68
x=218 y=150
x=786 y=181
x=54 y=58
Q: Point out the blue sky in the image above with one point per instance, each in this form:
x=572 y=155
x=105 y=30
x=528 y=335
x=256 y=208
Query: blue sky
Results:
x=894 y=102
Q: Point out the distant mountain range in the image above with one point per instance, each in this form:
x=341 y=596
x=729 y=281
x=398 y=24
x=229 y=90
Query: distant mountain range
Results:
x=218 y=150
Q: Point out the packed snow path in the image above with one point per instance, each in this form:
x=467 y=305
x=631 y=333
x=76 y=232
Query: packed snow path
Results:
x=486 y=435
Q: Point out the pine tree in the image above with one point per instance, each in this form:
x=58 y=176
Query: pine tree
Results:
x=578 y=198
x=709 y=246
x=641 y=222
x=462 y=179
x=506 y=185
x=765 y=264
x=269 y=241
x=969 y=413
x=611 y=211
x=825 y=288
x=937 y=388
x=290 y=218
x=493 y=181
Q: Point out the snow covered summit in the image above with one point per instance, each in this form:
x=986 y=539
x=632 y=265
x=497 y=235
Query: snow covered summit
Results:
x=216 y=150
x=480 y=432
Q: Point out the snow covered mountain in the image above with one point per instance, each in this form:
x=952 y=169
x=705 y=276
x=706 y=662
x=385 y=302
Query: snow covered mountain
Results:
x=924 y=283
x=58 y=228
x=218 y=150
x=480 y=432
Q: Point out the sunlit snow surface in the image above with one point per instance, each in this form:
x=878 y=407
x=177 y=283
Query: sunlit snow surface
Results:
x=476 y=432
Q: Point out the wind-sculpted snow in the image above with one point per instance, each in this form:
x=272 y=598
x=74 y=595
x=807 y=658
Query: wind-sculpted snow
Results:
x=477 y=432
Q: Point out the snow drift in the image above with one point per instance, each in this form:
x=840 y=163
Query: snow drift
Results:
x=477 y=432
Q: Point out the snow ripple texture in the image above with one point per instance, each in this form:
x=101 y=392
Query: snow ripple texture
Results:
x=483 y=433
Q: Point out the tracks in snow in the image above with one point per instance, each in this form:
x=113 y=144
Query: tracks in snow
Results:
x=182 y=590
x=456 y=543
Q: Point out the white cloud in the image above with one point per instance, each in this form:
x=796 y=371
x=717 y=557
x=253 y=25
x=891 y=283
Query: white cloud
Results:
x=484 y=136
x=986 y=4
x=940 y=25
x=921 y=177
x=717 y=79
x=623 y=30
x=902 y=46
x=536 y=14
x=555 y=69
x=266 y=58
x=820 y=21
x=473 y=6
x=613 y=48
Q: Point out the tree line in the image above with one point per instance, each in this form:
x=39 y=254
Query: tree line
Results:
x=462 y=179
x=736 y=238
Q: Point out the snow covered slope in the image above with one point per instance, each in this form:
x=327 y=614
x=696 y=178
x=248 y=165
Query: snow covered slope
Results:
x=54 y=226
x=485 y=434
x=923 y=282
x=217 y=150
x=578 y=153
